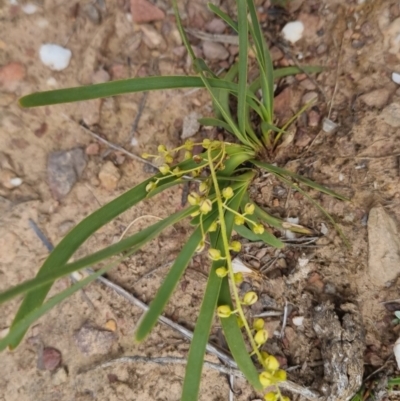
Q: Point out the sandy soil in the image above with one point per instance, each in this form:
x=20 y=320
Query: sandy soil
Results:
x=356 y=42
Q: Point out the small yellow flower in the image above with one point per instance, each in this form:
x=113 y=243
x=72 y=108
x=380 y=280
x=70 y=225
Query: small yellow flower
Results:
x=206 y=143
x=271 y=397
x=271 y=363
x=195 y=173
x=150 y=186
x=258 y=229
x=235 y=246
x=162 y=149
x=258 y=324
x=164 y=169
x=189 y=144
x=194 y=198
x=205 y=206
x=203 y=187
x=264 y=355
x=213 y=227
x=238 y=278
x=196 y=213
x=249 y=208
x=250 y=298
x=227 y=193
x=261 y=337
x=188 y=155
x=266 y=379
x=280 y=375
x=214 y=254
x=177 y=171
x=221 y=272
x=239 y=220
x=224 y=311
x=168 y=158
x=201 y=246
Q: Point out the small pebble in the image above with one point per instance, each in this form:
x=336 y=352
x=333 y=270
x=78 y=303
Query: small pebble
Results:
x=111 y=325
x=59 y=377
x=51 y=358
x=216 y=25
x=298 y=320
x=11 y=75
x=92 y=149
x=93 y=341
x=190 y=125
x=151 y=37
x=100 y=76
x=29 y=8
x=92 y=13
x=9 y=180
x=313 y=118
x=109 y=176
x=143 y=11
x=293 y=31
x=55 y=57
x=329 y=126
x=396 y=78
x=309 y=97
x=214 y=51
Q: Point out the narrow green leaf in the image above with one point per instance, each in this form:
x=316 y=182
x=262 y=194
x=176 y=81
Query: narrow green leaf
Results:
x=266 y=237
x=286 y=173
x=75 y=238
x=197 y=350
x=243 y=58
x=18 y=330
x=234 y=338
x=132 y=243
x=225 y=17
x=214 y=122
x=168 y=286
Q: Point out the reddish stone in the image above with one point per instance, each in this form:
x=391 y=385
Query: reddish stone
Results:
x=143 y=11
x=11 y=75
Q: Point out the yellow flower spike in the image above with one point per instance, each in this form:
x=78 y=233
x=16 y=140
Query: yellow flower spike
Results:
x=188 y=155
x=271 y=363
x=235 y=246
x=168 y=159
x=189 y=144
x=249 y=208
x=271 y=397
x=261 y=337
x=250 y=298
x=214 y=254
x=227 y=193
x=224 y=311
x=205 y=206
x=239 y=220
x=203 y=187
x=150 y=186
x=280 y=375
x=213 y=227
x=194 y=198
x=258 y=229
x=221 y=272
x=238 y=278
x=266 y=379
x=258 y=324
x=164 y=169
x=206 y=143
x=201 y=246
x=162 y=149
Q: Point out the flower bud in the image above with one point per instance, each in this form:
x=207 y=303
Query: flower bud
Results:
x=224 y=311
x=214 y=254
x=205 y=206
x=249 y=208
x=238 y=278
x=271 y=363
x=206 y=143
x=239 y=322
x=177 y=171
x=235 y=246
x=258 y=229
x=239 y=220
x=196 y=213
x=150 y=186
x=213 y=227
x=271 y=397
x=264 y=355
x=203 y=187
x=201 y=246
x=227 y=193
x=168 y=158
x=188 y=155
x=250 y=298
x=261 y=337
x=197 y=159
x=258 y=324
x=280 y=375
x=193 y=198
x=266 y=379
x=221 y=272
x=189 y=144
x=162 y=149
x=164 y=169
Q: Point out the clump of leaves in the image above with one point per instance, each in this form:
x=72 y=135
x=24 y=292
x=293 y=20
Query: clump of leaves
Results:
x=222 y=204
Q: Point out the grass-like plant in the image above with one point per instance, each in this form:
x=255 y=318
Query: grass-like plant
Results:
x=221 y=205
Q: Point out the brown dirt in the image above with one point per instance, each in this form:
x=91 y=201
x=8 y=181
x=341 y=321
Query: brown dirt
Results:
x=360 y=161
